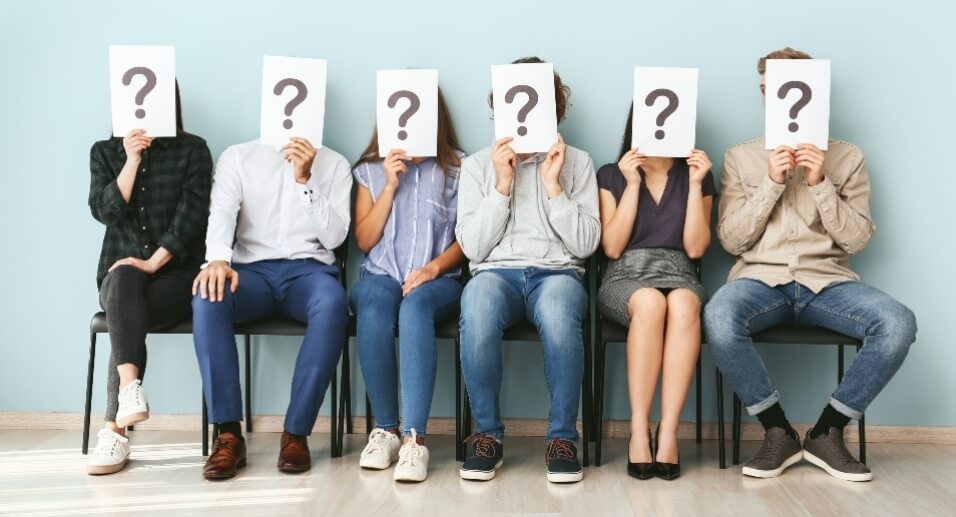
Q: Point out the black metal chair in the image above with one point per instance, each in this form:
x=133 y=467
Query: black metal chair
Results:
x=788 y=334
x=272 y=326
x=610 y=332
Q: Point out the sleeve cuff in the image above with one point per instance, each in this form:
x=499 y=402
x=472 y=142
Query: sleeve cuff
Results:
x=114 y=199
x=499 y=200
x=218 y=253
x=560 y=203
x=770 y=189
x=173 y=245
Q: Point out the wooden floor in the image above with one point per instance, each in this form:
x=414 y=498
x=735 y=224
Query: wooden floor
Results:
x=43 y=473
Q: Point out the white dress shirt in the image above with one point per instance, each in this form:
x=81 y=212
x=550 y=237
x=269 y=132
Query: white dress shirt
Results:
x=259 y=212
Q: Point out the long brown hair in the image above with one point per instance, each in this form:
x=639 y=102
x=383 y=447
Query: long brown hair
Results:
x=448 y=147
x=562 y=92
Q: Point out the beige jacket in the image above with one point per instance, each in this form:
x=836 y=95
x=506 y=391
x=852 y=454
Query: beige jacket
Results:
x=781 y=233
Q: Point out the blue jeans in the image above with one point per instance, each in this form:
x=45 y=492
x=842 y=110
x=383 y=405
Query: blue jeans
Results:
x=744 y=307
x=555 y=301
x=379 y=307
x=303 y=290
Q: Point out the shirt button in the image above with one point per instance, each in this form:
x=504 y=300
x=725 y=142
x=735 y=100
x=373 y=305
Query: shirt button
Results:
x=141 y=209
x=142 y=189
x=144 y=228
x=145 y=246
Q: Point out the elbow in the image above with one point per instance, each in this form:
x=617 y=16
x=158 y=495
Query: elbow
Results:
x=696 y=250
x=612 y=251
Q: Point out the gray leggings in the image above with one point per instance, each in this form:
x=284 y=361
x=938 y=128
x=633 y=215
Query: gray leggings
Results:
x=136 y=303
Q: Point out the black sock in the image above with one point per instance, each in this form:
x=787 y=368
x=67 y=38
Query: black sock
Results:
x=773 y=417
x=829 y=418
x=231 y=427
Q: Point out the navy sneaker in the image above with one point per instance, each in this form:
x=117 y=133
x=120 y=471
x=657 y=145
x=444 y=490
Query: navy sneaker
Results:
x=484 y=456
x=562 y=459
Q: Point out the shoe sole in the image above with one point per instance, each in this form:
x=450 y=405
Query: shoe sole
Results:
x=220 y=477
x=565 y=477
x=135 y=418
x=102 y=470
x=294 y=470
x=408 y=478
x=480 y=475
x=845 y=476
x=767 y=474
x=376 y=466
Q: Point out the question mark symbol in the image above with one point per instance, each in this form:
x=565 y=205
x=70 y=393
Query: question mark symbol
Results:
x=295 y=101
x=145 y=89
x=528 y=106
x=413 y=104
x=805 y=95
x=672 y=103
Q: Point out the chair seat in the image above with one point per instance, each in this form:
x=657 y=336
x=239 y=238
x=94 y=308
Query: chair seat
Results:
x=792 y=334
x=612 y=332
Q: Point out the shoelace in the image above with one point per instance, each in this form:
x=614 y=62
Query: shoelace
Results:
x=483 y=444
x=377 y=441
x=221 y=446
x=838 y=448
x=768 y=451
x=410 y=454
x=101 y=445
x=558 y=448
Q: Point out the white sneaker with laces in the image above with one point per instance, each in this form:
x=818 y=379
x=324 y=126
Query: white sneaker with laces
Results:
x=412 y=461
x=133 y=407
x=381 y=451
x=110 y=455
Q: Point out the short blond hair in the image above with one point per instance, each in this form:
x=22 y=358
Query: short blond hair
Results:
x=784 y=53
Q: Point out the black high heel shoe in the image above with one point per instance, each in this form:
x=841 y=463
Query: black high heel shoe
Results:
x=666 y=471
x=642 y=470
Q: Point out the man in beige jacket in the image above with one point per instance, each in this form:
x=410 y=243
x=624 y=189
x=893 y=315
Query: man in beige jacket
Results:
x=793 y=217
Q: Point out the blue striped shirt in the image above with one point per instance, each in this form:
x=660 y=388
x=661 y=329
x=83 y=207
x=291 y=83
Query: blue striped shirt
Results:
x=421 y=224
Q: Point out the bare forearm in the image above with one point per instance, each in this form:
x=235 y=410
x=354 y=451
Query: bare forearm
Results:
x=160 y=258
x=617 y=232
x=368 y=230
x=450 y=259
x=696 y=224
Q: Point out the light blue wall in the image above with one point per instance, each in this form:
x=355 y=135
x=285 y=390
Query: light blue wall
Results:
x=892 y=95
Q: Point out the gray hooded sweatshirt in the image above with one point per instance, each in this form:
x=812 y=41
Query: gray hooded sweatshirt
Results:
x=526 y=229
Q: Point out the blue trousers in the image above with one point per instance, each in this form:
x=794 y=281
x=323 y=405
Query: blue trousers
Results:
x=379 y=307
x=303 y=290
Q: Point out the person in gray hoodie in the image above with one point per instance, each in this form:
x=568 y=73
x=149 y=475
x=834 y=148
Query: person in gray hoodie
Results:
x=526 y=223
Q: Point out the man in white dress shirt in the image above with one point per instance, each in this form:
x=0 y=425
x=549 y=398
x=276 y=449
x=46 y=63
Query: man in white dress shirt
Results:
x=276 y=216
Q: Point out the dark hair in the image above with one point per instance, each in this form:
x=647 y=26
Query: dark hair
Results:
x=448 y=148
x=561 y=91
x=626 y=141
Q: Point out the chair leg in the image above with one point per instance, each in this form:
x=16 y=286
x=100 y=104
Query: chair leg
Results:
x=368 y=414
x=721 y=449
x=587 y=398
x=698 y=431
x=862 y=426
x=347 y=388
x=334 y=428
x=600 y=363
x=839 y=364
x=459 y=439
x=88 y=407
x=205 y=427
x=736 y=429
x=248 y=386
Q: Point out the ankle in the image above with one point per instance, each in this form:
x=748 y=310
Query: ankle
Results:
x=420 y=440
x=116 y=429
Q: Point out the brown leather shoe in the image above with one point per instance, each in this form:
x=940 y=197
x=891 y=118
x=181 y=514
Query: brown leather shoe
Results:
x=227 y=457
x=294 y=453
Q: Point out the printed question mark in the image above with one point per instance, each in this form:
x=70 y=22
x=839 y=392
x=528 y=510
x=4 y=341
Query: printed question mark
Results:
x=528 y=106
x=805 y=95
x=413 y=104
x=295 y=101
x=145 y=89
x=672 y=103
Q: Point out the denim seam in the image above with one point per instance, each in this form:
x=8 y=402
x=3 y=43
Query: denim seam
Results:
x=765 y=311
x=848 y=316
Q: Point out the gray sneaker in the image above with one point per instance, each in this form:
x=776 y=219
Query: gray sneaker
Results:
x=828 y=452
x=779 y=451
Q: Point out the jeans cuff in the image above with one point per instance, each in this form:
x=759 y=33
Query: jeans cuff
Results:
x=419 y=432
x=549 y=437
x=764 y=404
x=845 y=410
x=388 y=427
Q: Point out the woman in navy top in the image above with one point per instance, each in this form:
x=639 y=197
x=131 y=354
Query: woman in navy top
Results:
x=405 y=214
x=655 y=219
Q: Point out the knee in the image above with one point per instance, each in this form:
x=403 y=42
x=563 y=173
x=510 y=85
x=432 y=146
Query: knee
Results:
x=897 y=323
x=481 y=303
x=328 y=302
x=647 y=306
x=122 y=278
x=683 y=308
x=722 y=318
x=204 y=307
x=416 y=308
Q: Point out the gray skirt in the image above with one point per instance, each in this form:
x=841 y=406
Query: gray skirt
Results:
x=657 y=268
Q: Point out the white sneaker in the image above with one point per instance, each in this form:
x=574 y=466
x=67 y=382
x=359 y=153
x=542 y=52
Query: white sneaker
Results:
x=381 y=451
x=110 y=455
x=412 y=461
x=133 y=407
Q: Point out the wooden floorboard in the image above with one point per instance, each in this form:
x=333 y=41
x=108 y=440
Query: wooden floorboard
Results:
x=42 y=473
